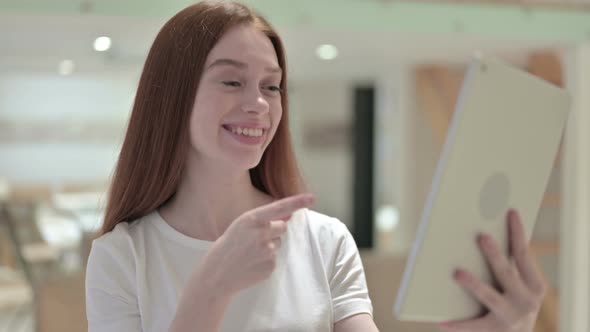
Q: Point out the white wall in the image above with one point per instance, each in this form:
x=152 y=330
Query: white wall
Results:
x=54 y=98
x=57 y=163
x=402 y=140
x=52 y=105
x=575 y=212
x=328 y=172
x=407 y=153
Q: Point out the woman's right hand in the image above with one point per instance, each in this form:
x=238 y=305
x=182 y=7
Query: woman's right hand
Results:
x=246 y=253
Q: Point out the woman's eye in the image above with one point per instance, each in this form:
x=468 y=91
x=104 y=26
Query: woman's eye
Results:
x=275 y=88
x=233 y=84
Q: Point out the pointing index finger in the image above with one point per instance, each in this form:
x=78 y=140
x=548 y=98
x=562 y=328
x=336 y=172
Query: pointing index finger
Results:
x=281 y=208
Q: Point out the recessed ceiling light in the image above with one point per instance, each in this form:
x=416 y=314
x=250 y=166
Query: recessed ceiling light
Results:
x=66 y=67
x=102 y=44
x=327 y=52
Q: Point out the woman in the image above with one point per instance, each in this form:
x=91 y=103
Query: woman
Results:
x=206 y=227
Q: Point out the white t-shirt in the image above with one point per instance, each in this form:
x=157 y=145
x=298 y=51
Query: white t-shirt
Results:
x=136 y=274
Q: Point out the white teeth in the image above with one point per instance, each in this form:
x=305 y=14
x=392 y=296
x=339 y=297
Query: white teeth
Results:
x=247 y=131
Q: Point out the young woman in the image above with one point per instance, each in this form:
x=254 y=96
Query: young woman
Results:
x=207 y=226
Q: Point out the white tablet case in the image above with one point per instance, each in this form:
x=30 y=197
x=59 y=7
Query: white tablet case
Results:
x=498 y=154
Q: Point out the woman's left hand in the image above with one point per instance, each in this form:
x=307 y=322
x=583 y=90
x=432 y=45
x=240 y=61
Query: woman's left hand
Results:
x=516 y=306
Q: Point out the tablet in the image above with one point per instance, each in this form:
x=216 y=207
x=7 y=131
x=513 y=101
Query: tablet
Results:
x=498 y=154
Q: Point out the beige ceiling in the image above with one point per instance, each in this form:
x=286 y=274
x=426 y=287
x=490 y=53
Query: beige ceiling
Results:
x=372 y=36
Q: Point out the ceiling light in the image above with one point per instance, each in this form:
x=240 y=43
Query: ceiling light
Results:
x=102 y=44
x=327 y=52
x=66 y=67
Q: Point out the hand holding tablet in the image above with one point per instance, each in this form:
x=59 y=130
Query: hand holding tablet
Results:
x=498 y=156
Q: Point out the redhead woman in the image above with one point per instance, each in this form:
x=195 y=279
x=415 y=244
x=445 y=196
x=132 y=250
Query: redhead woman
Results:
x=208 y=226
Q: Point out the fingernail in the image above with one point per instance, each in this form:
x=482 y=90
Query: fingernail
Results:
x=512 y=214
x=458 y=274
x=487 y=240
x=483 y=239
x=479 y=238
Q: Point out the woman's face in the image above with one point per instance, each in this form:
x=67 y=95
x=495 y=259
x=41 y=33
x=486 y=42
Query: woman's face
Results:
x=238 y=103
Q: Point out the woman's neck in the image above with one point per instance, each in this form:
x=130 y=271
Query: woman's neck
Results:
x=206 y=203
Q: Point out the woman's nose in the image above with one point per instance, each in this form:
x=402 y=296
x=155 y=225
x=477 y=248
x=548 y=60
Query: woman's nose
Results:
x=255 y=102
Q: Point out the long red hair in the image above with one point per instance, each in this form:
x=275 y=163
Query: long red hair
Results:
x=153 y=155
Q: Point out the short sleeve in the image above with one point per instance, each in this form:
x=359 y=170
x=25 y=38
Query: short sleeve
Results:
x=348 y=284
x=111 y=304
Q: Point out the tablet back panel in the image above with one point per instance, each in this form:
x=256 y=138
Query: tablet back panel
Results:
x=498 y=154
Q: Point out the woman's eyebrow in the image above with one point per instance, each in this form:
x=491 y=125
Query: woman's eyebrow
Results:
x=239 y=65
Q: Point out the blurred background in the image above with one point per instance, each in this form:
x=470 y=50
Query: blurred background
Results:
x=373 y=85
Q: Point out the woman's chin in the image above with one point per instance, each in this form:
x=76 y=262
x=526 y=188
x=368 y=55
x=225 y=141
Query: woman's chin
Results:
x=245 y=162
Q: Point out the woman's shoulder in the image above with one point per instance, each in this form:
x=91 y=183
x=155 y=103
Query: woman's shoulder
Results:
x=114 y=259
x=124 y=236
x=321 y=225
x=117 y=253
